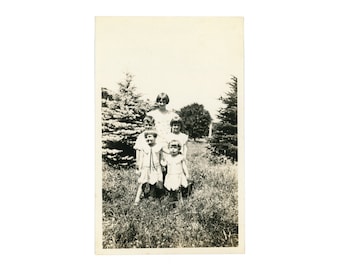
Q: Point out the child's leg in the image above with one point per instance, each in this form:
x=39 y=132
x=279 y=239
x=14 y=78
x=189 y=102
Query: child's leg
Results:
x=146 y=190
x=159 y=190
x=172 y=196
x=139 y=192
x=175 y=197
x=153 y=191
x=186 y=191
x=172 y=199
x=179 y=196
x=164 y=172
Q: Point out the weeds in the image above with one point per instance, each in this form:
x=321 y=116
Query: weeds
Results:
x=208 y=217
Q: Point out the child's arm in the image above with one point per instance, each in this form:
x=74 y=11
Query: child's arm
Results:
x=138 y=147
x=162 y=160
x=138 y=154
x=185 y=168
x=185 y=149
x=139 y=158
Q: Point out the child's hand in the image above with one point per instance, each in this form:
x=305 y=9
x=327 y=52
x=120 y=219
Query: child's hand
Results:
x=163 y=169
x=138 y=172
x=163 y=163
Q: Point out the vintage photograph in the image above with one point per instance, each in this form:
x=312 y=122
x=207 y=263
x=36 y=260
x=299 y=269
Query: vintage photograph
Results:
x=169 y=135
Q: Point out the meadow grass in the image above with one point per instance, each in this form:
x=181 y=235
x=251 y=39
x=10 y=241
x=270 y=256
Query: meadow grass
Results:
x=208 y=217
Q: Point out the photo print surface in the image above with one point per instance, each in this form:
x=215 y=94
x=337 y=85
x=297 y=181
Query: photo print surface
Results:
x=169 y=135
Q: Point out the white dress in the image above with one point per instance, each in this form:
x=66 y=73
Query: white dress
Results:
x=151 y=171
x=175 y=176
x=181 y=137
x=162 y=123
x=141 y=142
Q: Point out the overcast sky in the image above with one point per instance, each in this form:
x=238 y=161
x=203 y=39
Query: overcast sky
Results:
x=189 y=58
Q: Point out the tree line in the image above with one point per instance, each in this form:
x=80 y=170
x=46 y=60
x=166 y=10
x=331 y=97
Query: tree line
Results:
x=123 y=111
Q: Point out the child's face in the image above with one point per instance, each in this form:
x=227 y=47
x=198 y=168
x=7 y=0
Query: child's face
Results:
x=173 y=149
x=147 y=125
x=176 y=128
x=150 y=139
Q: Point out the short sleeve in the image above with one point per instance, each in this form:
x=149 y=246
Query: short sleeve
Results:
x=185 y=138
x=140 y=142
x=158 y=148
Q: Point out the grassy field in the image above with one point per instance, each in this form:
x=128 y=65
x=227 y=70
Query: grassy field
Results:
x=208 y=217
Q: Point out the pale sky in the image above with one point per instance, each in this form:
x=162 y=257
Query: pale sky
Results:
x=189 y=58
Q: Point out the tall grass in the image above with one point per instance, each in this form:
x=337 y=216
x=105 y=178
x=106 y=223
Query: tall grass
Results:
x=208 y=217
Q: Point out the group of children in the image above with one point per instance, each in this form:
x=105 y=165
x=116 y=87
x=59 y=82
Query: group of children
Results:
x=161 y=153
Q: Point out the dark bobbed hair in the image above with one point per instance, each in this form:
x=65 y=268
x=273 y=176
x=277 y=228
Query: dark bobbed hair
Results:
x=150 y=132
x=177 y=120
x=164 y=97
x=175 y=143
x=149 y=119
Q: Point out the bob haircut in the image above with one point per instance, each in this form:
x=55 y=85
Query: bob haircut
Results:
x=163 y=96
x=149 y=120
x=175 y=143
x=177 y=120
x=150 y=132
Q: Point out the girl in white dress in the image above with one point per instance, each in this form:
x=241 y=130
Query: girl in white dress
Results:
x=177 y=174
x=149 y=167
x=176 y=125
x=140 y=144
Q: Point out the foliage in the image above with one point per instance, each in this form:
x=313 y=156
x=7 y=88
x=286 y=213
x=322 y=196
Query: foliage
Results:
x=196 y=120
x=224 y=139
x=122 y=115
x=208 y=217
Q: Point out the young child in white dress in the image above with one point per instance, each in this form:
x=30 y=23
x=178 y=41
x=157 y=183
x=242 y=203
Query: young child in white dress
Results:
x=176 y=125
x=148 y=124
x=177 y=173
x=148 y=166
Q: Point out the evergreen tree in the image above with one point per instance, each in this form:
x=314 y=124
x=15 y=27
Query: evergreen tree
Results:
x=224 y=139
x=196 y=120
x=122 y=117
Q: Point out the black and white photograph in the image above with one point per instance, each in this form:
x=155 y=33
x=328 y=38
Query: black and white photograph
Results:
x=169 y=134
